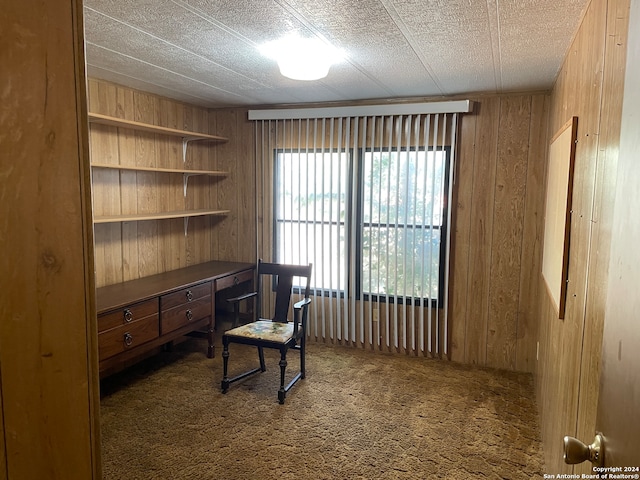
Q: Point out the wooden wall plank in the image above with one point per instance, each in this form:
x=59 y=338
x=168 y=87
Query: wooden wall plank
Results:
x=50 y=393
x=194 y=198
x=203 y=250
x=481 y=230
x=246 y=188
x=461 y=243
x=146 y=185
x=227 y=121
x=128 y=183
x=528 y=309
x=507 y=234
x=212 y=162
x=106 y=196
x=176 y=247
x=167 y=184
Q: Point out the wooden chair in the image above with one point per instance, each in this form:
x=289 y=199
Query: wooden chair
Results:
x=278 y=332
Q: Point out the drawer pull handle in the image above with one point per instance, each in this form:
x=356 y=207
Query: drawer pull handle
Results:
x=189 y=295
x=128 y=315
x=128 y=339
x=189 y=315
x=235 y=280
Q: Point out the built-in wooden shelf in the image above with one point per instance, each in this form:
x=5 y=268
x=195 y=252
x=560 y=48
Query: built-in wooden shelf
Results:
x=121 y=122
x=136 y=217
x=213 y=173
x=186 y=137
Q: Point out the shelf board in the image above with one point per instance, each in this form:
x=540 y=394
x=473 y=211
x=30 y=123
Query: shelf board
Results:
x=121 y=122
x=135 y=217
x=213 y=173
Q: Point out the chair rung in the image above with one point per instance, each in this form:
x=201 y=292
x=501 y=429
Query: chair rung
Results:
x=244 y=375
x=293 y=381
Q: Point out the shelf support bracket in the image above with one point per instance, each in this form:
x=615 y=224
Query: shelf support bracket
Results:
x=186 y=225
x=185 y=181
x=185 y=142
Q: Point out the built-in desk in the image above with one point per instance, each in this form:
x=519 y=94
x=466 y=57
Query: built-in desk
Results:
x=138 y=316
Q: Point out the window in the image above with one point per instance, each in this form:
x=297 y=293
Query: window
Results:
x=394 y=216
x=403 y=219
x=311 y=206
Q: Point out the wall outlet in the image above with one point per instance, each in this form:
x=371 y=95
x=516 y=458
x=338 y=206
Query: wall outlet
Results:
x=375 y=314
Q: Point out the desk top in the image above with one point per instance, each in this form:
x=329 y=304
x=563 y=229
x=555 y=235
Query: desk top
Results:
x=118 y=295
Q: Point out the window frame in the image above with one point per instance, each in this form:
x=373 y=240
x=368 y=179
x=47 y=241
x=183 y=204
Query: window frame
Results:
x=359 y=225
x=401 y=299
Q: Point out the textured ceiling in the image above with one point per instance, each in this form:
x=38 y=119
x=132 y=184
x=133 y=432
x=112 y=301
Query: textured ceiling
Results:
x=205 y=51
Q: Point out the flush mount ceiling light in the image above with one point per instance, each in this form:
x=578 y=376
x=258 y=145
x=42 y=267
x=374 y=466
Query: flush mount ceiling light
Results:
x=302 y=58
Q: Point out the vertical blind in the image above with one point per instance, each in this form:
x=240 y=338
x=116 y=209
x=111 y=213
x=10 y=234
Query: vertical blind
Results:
x=366 y=200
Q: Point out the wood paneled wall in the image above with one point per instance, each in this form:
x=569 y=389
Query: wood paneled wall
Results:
x=48 y=339
x=497 y=226
x=130 y=250
x=236 y=235
x=590 y=86
x=498 y=231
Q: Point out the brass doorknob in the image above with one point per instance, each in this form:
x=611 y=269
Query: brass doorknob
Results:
x=577 y=452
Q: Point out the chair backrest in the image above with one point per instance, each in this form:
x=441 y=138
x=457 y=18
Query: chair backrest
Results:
x=283 y=276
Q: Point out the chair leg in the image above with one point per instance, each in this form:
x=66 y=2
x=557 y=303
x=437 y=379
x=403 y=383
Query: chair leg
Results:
x=303 y=347
x=225 y=364
x=263 y=367
x=282 y=393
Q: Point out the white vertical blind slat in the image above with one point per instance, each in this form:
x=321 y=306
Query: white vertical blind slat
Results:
x=390 y=328
x=320 y=251
x=424 y=288
x=331 y=220
x=396 y=320
x=317 y=268
x=432 y=320
x=299 y=260
x=405 y=240
x=352 y=261
x=416 y=201
x=361 y=318
x=339 y=286
x=347 y=260
x=378 y=326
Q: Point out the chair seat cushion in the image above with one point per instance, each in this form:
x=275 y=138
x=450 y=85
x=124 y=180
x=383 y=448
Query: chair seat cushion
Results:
x=264 y=330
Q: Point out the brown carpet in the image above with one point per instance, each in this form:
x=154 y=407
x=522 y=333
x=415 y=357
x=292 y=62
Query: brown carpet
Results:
x=357 y=415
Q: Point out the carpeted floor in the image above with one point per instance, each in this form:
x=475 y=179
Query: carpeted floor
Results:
x=357 y=415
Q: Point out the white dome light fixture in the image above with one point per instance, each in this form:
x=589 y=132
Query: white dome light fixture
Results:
x=302 y=58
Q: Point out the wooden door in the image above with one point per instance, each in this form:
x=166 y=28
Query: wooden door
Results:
x=48 y=353
x=619 y=402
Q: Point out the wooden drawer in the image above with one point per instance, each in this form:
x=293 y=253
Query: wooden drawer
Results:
x=126 y=337
x=185 y=296
x=127 y=315
x=231 y=280
x=182 y=315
